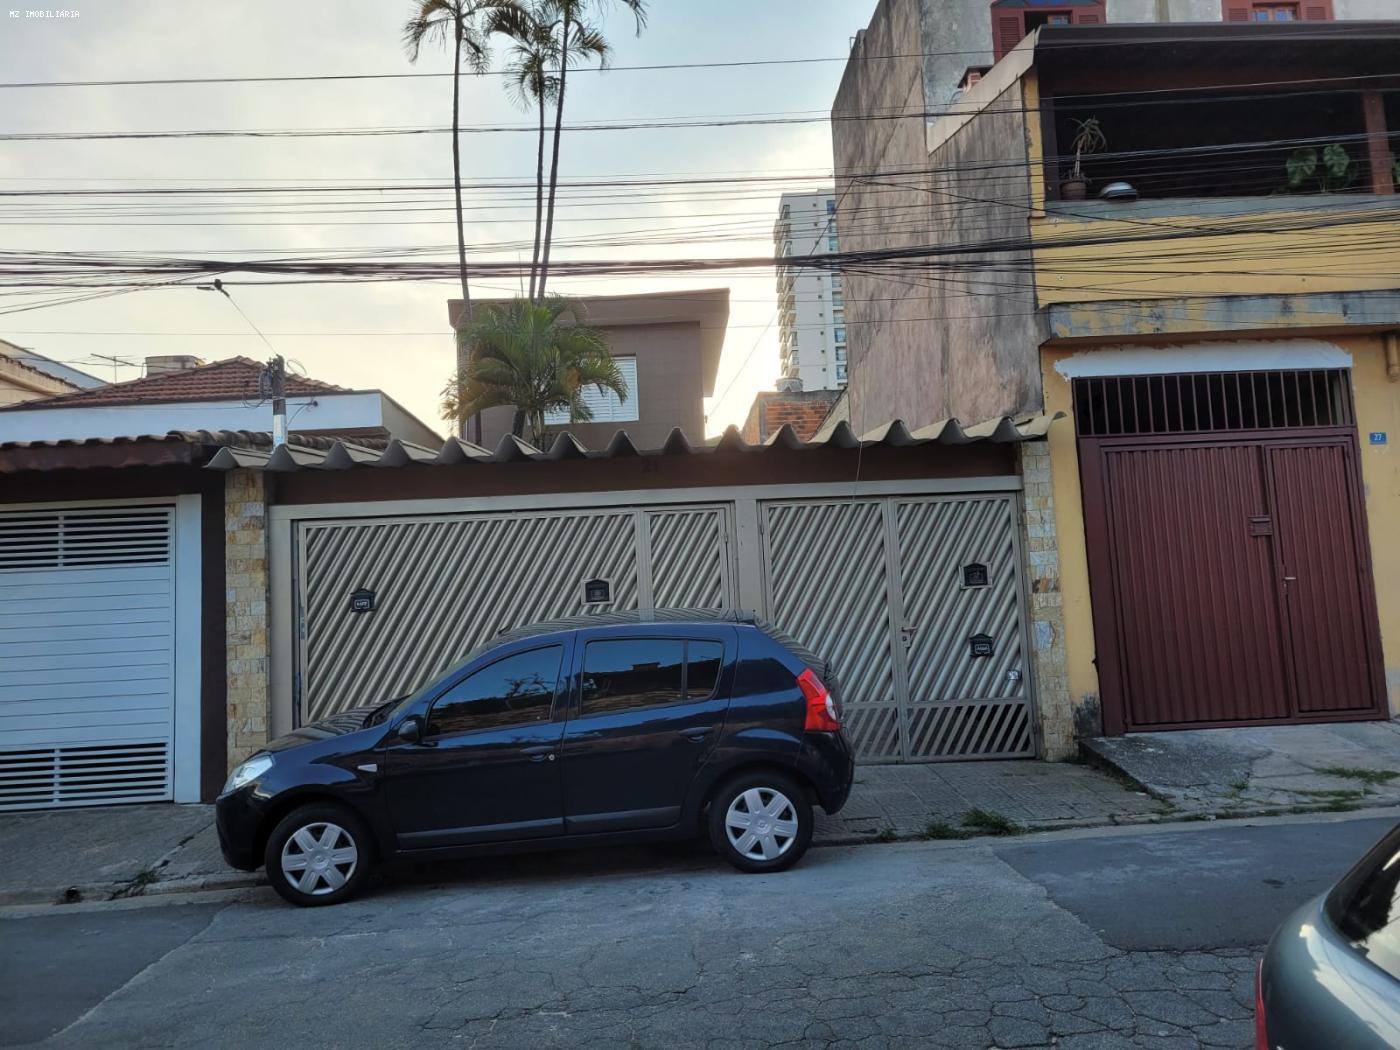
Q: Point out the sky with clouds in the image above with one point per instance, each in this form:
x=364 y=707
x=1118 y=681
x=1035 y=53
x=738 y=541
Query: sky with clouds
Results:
x=394 y=335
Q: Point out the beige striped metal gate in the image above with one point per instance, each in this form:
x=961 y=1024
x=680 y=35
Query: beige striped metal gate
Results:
x=442 y=585
x=897 y=591
x=918 y=602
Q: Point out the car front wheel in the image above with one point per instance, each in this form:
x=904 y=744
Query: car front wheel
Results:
x=318 y=854
x=761 y=822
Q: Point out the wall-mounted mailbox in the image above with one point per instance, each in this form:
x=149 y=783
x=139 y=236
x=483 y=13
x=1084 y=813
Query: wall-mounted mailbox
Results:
x=981 y=645
x=362 y=601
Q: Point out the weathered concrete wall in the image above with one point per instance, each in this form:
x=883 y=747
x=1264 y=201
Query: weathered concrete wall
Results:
x=925 y=343
x=955 y=34
x=1045 y=605
x=245 y=554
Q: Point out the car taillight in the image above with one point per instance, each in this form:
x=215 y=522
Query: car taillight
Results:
x=1261 y=1030
x=821 y=705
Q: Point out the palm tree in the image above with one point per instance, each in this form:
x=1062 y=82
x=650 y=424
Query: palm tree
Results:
x=460 y=23
x=530 y=82
x=576 y=41
x=528 y=356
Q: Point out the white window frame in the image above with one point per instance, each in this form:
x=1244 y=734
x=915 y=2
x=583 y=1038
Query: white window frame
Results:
x=607 y=407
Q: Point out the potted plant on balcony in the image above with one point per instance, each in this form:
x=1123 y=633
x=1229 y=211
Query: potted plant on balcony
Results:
x=1308 y=171
x=1088 y=138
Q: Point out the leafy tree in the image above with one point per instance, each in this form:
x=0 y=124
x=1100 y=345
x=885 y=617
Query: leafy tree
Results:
x=536 y=357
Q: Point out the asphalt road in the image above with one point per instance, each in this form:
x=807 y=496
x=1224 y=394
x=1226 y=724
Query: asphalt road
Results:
x=1085 y=941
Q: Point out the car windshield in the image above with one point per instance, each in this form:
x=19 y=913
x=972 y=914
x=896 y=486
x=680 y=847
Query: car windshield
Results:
x=386 y=711
x=1365 y=905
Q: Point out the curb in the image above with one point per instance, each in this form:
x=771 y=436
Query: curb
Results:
x=1126 y=820
x=101 y=892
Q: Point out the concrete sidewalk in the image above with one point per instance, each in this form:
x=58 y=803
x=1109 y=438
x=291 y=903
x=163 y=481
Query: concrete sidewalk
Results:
x=121 y=851
x=1260 y=769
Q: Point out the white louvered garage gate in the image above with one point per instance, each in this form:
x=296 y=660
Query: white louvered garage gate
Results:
x=88 y=640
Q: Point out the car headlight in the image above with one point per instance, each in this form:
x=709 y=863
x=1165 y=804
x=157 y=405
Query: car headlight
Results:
x=247 y=772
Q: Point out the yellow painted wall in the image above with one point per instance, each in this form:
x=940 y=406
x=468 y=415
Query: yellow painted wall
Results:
x=1377 y=409
x=1257 y=255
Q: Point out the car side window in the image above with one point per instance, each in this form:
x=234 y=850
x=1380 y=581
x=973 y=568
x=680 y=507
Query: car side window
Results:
x=703 y=662
x=512 y=691
x=632 y=673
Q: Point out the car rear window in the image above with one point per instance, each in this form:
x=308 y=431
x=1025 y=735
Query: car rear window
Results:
x=1365 y=905
x=623 y=674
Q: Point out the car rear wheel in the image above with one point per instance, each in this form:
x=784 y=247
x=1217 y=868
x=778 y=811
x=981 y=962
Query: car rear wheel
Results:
x=319 y=854
x=761 y=822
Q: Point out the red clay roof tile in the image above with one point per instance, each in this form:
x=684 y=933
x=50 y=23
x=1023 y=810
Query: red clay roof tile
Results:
x=229 y=380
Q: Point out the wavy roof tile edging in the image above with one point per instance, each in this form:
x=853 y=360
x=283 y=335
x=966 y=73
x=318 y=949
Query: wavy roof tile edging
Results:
x=347 y=455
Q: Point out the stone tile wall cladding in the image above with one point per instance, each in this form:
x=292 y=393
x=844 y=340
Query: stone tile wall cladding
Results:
x=1046 y=606
x=245 y=554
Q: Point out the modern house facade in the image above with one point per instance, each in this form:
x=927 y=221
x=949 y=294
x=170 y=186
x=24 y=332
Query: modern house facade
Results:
x=1211 y=531
x=667 y=346
x=811 y=307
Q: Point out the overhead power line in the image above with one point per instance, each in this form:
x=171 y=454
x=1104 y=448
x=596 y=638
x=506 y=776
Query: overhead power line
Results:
x=1122 y=99
x=1317 y=32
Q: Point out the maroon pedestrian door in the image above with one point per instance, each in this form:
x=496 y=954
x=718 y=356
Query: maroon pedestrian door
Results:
x=1326 y=595
x=1230 y=578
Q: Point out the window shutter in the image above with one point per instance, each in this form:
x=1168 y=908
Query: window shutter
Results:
x=1009 y=31
x=1317 y=11
x=607 y=407
x=1239 y=11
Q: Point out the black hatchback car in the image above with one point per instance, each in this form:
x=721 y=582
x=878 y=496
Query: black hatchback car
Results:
x=572 y=733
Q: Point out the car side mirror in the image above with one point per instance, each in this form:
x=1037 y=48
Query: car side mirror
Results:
x=411 y=729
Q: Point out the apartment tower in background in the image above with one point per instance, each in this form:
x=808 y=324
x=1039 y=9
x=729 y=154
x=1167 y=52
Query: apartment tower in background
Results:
x=811 y=312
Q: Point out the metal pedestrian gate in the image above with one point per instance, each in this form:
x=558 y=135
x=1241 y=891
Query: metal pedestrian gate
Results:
x=918 y=602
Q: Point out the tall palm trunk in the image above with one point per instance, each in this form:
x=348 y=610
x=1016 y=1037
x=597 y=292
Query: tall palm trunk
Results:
x=554 y=164
x=465 y=320
x=457 y=177
x=539 y=205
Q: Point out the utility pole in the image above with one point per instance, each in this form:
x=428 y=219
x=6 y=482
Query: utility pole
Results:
x=276 y=374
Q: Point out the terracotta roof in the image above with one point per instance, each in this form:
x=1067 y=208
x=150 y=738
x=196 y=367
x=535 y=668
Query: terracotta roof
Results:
x=230 y=380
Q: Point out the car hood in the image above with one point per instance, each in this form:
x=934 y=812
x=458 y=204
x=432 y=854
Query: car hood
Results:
x=351 y=721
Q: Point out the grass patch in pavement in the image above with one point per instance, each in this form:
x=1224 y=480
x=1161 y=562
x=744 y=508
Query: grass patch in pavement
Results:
x=1345 y=794
x=887 y=834
x=989 y=822
x=1366 y=776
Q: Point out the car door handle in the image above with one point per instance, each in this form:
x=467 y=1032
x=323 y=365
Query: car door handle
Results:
x=540 y=753
x=697 y=733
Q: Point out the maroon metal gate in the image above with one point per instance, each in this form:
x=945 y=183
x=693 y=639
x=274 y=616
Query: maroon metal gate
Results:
x=1231 y=578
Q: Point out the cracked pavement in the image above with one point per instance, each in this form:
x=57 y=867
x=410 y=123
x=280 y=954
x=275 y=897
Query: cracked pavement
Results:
x=1093 y=939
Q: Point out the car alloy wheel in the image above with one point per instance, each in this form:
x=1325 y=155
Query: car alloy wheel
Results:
x=319 y=858
x=761 y=823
